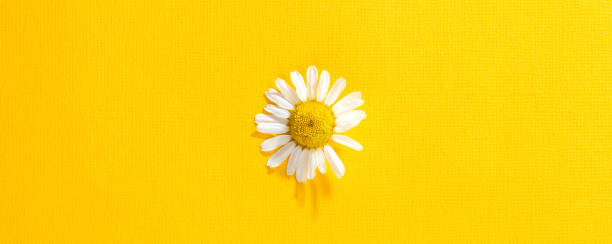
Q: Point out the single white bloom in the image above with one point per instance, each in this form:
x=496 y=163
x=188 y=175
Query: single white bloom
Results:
x=305 y=119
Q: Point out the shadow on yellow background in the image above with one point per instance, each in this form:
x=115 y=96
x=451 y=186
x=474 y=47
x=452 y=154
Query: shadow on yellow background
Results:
x=318 y=188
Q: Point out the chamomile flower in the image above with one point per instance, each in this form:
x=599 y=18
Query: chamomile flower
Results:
x=305 y=119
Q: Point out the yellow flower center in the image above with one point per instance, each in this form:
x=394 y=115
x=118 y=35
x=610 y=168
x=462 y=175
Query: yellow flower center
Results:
x=311 y=124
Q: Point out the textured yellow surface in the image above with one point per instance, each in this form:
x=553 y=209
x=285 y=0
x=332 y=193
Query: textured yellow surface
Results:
x=132 y=121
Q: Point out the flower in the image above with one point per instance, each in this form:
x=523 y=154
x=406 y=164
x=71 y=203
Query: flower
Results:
x=304 y=119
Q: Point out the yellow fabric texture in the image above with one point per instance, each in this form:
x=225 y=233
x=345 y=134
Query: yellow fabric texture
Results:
x=132 y=121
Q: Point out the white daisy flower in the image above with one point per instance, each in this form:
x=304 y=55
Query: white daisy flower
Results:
x=304 y=119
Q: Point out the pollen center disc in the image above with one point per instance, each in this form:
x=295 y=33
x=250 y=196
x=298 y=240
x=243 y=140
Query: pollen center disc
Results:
x=311 y=124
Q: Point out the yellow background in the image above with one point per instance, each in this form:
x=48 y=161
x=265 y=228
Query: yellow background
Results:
x=132 y=121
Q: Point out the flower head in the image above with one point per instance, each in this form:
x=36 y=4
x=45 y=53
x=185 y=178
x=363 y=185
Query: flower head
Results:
x=305 y=119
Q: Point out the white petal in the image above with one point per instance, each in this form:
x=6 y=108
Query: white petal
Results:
x=312 y=164
x=311 y=81
x=279 y=156
x=323 y=86
x=348 y=117
x=347 y=106
x=287 y=92
x=353 y=96
x=272 y=128
x=302 y=167
x=300 y=87
x=276 y=111
x=347 y=141
x=268 y=118
x=320 y=160
x=277 y=98
x=293 y=161
x=274 y=142
x=335 y=91
x=306 y=155
x=348 y=103
x=347 y=126
x=334 y=161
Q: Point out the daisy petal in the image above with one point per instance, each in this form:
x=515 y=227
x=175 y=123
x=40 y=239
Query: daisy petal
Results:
x=335 y=91
x=323 y=86
x=302 y=167
x=320 y=161
x=293 y=161
x=311 y=81
x=348 y=117
x=279 y=156
x=276 y=111
x=305 y=165
x=347 y=106
x=334 y=161
x=312 y=164
x=300 y=87
x=287 y=92
x=274 y=142
x=347 y=141
x=348 y=103
x=347 y=126
x=272 y=128
x=348 y=120
x=277 y=98
x=268 y=118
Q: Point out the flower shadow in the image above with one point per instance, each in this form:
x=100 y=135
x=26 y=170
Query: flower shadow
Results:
x=307 y=194
x=319 y=187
